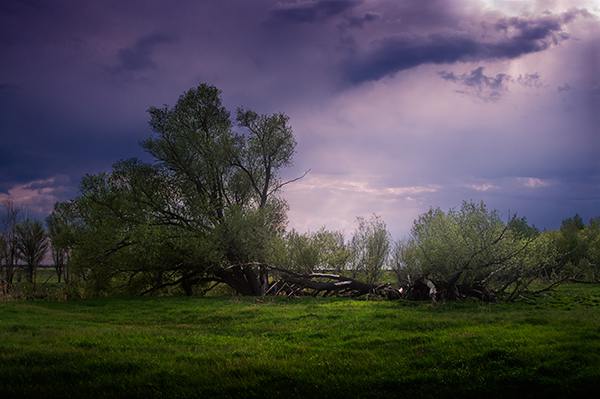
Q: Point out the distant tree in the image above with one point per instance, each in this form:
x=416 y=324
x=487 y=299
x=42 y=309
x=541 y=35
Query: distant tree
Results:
x=520 y=227
x=9 y=253
x=571 y=240
x=334 y=252
x=32 y=243
x=573 y=223
x=592 y=237
x=369 y=248
x=302 y=252
x=402 y=261
x=62 y=238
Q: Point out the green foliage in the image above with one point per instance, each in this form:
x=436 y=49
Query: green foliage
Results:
x=62 y=235
x=334 y=252
x=245 y=235
x=580 y=245
x=571 y=241
x=322 y=250
x=592 y=237
x=302 y=254
x=207 y=209
x=369 y=248
x=268 y=146
x=521 y=228
x=208 y=202
x=472 y=247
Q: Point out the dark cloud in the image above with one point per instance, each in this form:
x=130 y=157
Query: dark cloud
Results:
x=65 y=110
x=16 y=6
x=138 y=57
x=530 y=80
x=309 y=11
x=7 y=88
x=514 y=37
x=540 y=27
x=360 y=21
x=490 y=87
x=564 y=87
x=39 y=141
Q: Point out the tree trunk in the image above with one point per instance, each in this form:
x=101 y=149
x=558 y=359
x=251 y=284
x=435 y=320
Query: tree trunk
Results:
x=59 y=272
x=30 y=271
x=10 y=272
x=245 y=279
x=187 y=285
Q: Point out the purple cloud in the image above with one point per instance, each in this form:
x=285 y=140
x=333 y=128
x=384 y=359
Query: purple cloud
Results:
x=489 y=87
x=376 y=122
x=512 y=38
x=138 y=57
x=309 y=11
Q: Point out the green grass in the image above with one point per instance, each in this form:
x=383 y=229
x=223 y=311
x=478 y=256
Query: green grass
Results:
x=232 y=347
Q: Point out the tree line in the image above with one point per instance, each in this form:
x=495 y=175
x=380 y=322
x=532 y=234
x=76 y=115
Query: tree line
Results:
x=208 y=211
x=24 y=244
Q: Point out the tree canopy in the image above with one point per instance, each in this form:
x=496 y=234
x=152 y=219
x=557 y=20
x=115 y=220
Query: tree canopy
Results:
x=205 y=209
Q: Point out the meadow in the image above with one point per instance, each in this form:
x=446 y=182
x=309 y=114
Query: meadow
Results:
x=309 y=347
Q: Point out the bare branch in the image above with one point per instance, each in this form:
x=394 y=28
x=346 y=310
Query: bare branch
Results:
x=277 y=187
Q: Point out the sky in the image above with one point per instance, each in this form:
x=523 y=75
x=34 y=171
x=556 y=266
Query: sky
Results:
x=397 y=106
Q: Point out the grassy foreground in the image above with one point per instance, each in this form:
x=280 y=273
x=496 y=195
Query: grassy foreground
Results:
x=231 y=347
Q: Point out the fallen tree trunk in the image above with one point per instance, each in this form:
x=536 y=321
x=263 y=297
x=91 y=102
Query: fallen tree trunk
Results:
x=259 y=279
x=325 y=284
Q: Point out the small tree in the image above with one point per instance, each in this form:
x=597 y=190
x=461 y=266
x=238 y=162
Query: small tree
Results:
x=302 y=253
x=369 y=248
x=61 y=236
x=9 y=221
x=334 y=253
x=322 y=250
x=32 y=243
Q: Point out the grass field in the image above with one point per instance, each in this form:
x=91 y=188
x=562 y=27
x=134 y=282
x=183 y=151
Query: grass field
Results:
x=232 y=347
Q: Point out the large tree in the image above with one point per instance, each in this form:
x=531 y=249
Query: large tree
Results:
x=205 y=210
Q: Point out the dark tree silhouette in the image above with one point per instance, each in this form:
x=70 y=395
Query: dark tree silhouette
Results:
x=32 y=243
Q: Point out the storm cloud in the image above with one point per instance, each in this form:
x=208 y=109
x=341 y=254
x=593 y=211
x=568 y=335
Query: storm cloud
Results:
x=489 y=87
x=510 y=38
x=309 y=11
x=397 y=106
x=139 y=56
